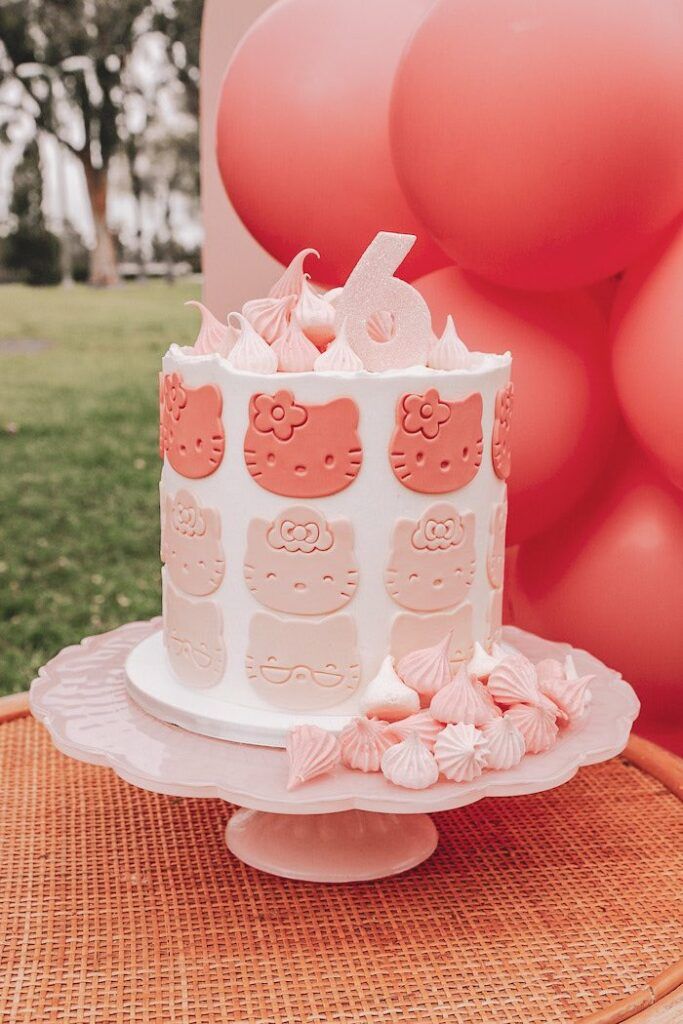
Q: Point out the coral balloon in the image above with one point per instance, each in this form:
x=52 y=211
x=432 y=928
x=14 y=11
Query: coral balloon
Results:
x=610 y=580
x=542 y=142
x=565 y=411
x=303 y=132
x=648 y=352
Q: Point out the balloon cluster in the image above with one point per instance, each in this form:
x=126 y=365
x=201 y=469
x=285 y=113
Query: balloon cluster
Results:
x=536 y=149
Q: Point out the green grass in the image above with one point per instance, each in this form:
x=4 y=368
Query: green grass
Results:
x=79 y=466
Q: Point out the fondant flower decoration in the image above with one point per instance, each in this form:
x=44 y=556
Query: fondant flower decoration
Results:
x=278 y=414
x=424 y=414
x=175 y=396
x=187 y=518
x=306 y=536
x=438 y=534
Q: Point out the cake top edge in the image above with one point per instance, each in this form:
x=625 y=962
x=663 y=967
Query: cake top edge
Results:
x=374 y=324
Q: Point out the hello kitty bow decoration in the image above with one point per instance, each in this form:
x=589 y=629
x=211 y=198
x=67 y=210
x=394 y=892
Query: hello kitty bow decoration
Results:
x=300 y=529
x=438 y=530
x=187 y=516
x=372 y=289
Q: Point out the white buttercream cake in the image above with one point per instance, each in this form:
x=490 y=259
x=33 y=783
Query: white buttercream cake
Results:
x=333 y=495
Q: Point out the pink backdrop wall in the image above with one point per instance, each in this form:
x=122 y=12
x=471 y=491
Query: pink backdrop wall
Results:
x=235 y=267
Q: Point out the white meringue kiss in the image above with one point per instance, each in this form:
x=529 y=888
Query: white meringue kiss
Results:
x=251 y=352
x=505 y=743
x=482 y=664
x=449 y=352
x=339 y=357
x=387 y=697
x=461 y=752
x=295 y=353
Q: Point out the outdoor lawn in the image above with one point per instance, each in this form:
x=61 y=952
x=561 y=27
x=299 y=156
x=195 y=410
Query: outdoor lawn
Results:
x=79 y=464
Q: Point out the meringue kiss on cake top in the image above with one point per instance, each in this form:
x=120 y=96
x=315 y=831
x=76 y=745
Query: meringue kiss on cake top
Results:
x=349 y=470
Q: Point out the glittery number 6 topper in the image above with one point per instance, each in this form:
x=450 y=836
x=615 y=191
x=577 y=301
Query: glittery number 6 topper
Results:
x=372 y=288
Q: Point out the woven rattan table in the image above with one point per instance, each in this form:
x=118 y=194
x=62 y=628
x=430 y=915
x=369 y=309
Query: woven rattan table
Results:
x=121 y=905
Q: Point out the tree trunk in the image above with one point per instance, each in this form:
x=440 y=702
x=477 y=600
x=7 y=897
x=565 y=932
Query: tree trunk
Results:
x=103 y=268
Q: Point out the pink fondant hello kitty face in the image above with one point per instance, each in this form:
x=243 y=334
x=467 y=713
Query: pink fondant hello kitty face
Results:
x=300 y=563
x=500 y=449
x=191 y=545
x=495 y=617
x=432 y=560
x=415 y=632
x=437 y=445
x=302 y=451
x=303 y=665
x=495 y=562
x=193 y=633
x=191 y=429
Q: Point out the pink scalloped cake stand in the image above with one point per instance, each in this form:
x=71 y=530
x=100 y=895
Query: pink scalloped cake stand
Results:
x=345 y=826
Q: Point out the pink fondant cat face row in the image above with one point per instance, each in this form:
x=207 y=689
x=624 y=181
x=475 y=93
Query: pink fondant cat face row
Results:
x=191 y=545
x=437 y=446
x=191 y=433
x=303 y=665
x=300 y=563
x=193 y=633
x=432 y=561
x=302 y=451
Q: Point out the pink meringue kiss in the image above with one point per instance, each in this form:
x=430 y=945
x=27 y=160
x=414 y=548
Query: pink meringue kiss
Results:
x=410 y=764
x=514 y=681
x=423 y=723
x=548 y=668
x=482 y=664
x=269 y=317
x=572 y=696
x=295 y=353
x=463 y=700
x=505 y=744
x=537 y=726
x=427 y=670
x=316 y=315
x=363 y=742
x=449 y=352
x=339 y=357
x=312 y=752
x=461 y=752
x=214 y=336
x=387 y=697
x=291 y=281
x=251 y=352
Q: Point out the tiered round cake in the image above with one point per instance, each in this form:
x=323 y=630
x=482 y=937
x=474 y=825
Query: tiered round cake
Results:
x=333 y=499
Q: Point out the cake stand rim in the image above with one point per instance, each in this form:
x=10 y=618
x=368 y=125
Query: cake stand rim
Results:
x=444 y=796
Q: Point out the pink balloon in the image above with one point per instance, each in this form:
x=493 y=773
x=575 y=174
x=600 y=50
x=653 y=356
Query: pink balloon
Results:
x=647 y=325
x=610 y=580
x=542 y=142
x=565 y=411
x=303 y=134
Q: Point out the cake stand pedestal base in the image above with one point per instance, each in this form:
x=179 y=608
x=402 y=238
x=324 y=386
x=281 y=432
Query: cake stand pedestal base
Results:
x=348 y=846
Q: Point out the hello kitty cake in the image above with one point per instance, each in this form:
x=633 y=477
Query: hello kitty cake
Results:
x=333 y=498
